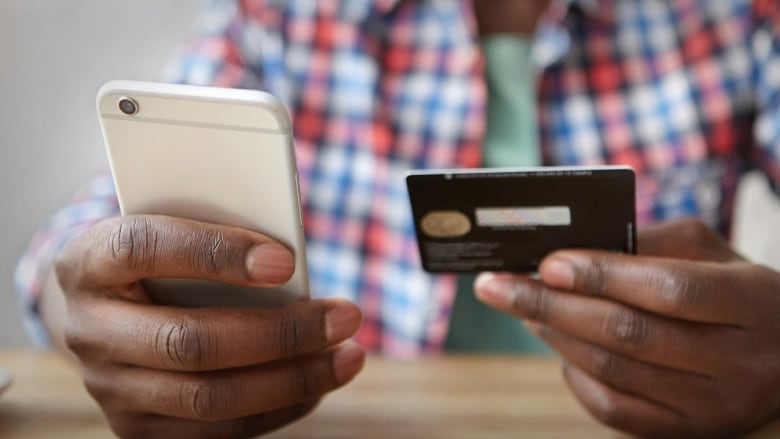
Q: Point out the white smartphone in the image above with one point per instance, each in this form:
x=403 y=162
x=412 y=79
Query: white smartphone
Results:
x=210 y=154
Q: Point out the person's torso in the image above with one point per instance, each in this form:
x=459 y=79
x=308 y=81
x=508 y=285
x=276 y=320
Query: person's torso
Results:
x=379 y=87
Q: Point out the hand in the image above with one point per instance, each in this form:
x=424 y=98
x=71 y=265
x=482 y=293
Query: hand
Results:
x=682 y=341
x=212 y=372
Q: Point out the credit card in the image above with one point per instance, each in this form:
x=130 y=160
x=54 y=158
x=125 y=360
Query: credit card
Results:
x=508 y=219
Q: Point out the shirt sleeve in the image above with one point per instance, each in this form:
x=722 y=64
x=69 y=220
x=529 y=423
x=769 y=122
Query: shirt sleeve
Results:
x=96 y=202
x=216 y=58
x=766 y=76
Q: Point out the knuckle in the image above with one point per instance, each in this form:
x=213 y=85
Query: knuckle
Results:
x=130 y=425
x=677 y=292
x=606 y=365
x=185 y=344
x=543 y=302
x=65 y=268
x=536 y=305
x=68 y=263
x=127 y=429
x=100 y=389
x=596 y=276
x=133 y=242
x=100 y=382
x=694 y=231
x=214 y=253
x=208 y=400
x=75 y=339
x=627 y=327
x=303 y=384
x=290 y=337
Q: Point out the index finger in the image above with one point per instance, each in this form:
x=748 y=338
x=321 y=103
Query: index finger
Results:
x=124 y=250
x=688 y=290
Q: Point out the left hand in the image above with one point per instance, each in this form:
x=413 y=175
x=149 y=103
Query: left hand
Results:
x=683 y=340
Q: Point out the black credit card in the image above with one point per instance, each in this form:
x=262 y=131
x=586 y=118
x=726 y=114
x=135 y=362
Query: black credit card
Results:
x=509 y=219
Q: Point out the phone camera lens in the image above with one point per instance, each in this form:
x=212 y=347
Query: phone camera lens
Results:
x=128 y=106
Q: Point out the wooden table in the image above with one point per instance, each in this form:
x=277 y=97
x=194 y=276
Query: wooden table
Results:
x=443 y=397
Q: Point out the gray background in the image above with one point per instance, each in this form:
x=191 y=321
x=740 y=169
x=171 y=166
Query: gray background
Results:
x=56 y=54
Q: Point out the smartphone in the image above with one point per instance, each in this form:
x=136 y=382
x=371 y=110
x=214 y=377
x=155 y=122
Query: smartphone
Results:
x=216 y=155
x=510 y=219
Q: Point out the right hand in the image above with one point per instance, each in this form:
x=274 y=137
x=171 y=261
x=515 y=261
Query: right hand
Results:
x=209 y=372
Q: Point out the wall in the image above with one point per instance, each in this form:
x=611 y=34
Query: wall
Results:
x=55 y=55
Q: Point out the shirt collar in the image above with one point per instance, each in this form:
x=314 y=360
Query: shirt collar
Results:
x=553 y=40
x=599 y=10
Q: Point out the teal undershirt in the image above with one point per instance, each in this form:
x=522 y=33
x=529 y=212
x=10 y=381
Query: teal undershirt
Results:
x=511 y=139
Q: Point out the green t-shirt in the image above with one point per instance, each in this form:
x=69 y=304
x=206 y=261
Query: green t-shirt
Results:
x=511 y=139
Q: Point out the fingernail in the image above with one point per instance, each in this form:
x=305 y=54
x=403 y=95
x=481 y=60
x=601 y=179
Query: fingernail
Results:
x=342 y=321
x=347 y=362
x=494 y=290
x=270 y=263
x=557 y=272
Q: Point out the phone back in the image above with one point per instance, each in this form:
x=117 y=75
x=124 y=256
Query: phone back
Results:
x=214 y=155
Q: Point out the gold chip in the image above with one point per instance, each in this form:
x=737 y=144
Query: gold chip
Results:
x=445 y=224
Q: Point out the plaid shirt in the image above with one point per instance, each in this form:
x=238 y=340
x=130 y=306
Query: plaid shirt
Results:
x=685 y=91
